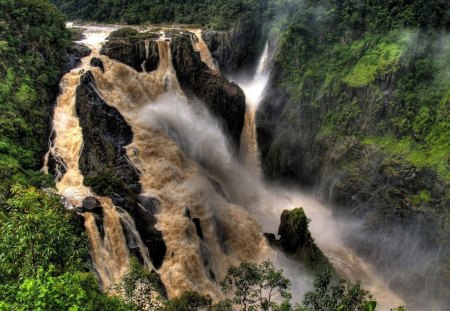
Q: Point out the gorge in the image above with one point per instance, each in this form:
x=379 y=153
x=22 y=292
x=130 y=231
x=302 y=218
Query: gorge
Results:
x=224 y=155
x=189 y=178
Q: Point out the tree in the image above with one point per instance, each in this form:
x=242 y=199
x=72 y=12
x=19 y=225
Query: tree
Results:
x=256 y=287
x=343 y=296
x=189 y=301
x=141 y=287
x=38 y=232
x=71 y=291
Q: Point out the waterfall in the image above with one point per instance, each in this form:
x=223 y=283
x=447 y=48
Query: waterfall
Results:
x=328 y=232
x=184 y=161
x=109 y=251
x=254 y=91
x=159 y=113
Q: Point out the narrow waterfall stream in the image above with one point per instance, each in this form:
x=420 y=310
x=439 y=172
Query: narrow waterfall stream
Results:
x=185 y=161
x=254 y=91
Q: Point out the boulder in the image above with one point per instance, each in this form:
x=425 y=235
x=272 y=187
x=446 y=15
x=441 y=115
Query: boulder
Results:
x=97 y=62
x=79 y=50
x=74 y=53
x=131 y=54
x=91 y=204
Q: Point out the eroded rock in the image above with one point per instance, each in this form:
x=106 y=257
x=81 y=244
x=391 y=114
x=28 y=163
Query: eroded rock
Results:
x=225 y=99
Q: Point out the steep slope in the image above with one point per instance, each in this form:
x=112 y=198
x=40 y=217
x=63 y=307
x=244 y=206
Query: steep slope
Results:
x=358 y=110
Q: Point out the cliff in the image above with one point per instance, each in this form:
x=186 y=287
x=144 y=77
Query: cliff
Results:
x=360 y=116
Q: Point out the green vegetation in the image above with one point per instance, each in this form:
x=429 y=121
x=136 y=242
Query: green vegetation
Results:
x=366 y=122
x=212 y=13
x=141 y=287
x=260 y=287
x=342 y=296
x=32 y=52
x=332 y=48
x=37 y=232
x=44 y=258
x=257 y=287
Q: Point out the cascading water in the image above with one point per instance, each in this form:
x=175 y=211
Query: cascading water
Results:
x=254 y=90
x=186 y=163
x=180 y=185
x=109 y=252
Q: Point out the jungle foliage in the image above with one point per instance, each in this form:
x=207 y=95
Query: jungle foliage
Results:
x=212 y=13
x=32 y=52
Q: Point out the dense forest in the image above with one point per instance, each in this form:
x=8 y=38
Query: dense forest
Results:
x=216 y=14
x=367 y=83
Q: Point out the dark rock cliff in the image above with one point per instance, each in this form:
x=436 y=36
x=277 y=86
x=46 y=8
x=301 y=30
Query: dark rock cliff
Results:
x=74 y=53
x=133 y=54
x=225 y=99
x=234 y=49
x=106 y=168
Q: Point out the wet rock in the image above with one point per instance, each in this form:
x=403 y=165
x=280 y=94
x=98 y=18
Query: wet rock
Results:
x=129 y=47
x=149 y=204
x=293 y=230
x=270 y=237
x=79 y=50
x=131 y=54
x=74 y=53
x=198 y=227
x=225 y=100
x=295 y=239
x=97 y=62
x=103 y=162
x=56 y=166
x=187 y=213
x=234 y=49
x=91 y=204
x=152 y=61
x=103 y=158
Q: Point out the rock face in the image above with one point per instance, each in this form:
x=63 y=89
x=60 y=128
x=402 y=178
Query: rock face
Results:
x=91 y=204
x=132 y=54
x=234 y=49
x=74 y=53
x=133 y=49
x=295 y=240
x=104 y=164
x=224 y=99
x=152 y=61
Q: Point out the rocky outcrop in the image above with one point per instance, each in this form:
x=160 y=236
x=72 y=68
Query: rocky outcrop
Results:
x=131 y=54
x=224 y=99
x=133 y=49
x=296 y=241
x=235 y=49
x=107 y=170
x=74 y=53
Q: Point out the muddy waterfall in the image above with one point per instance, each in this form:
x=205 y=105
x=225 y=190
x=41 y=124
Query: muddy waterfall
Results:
x=157 y=150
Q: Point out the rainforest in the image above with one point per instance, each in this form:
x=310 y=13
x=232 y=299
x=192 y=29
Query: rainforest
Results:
x=283 y=155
